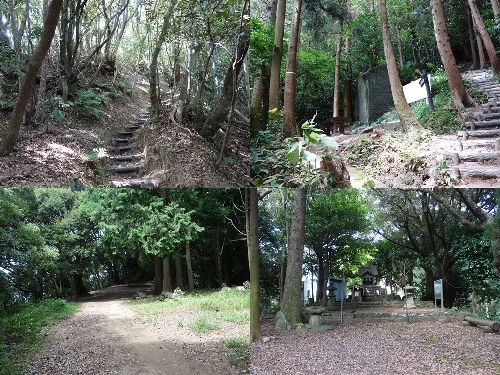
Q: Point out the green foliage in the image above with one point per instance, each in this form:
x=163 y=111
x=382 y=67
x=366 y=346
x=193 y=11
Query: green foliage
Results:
x=445 y=119
x=277 y=163
x=315 y=80
x=203 y=322
x=261 y=43
x=442 y=174
x=366 y=48
x=87 y=102
x=21 y=328
x=239 y=349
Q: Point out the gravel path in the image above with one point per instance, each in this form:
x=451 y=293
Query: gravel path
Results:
x=107 y=337
x=385 y=348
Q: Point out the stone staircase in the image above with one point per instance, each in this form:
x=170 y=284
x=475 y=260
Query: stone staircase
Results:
x=125 y=161
x=477 y=151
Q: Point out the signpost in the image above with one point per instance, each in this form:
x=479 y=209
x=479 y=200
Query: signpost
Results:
x=438 y=292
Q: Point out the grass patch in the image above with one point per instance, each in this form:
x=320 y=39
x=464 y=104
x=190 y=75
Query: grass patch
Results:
x=238 y=348
x=21 y=331
x=204 y=322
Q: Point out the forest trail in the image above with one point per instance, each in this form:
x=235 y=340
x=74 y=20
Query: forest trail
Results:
x=106 y=336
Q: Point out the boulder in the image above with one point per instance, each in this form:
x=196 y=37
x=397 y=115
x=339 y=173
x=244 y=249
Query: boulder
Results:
x=281 y=322
x=316 y=321
x=240 y=288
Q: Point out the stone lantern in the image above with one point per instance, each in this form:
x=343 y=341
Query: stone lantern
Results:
x=409 y=292
x=331 y=296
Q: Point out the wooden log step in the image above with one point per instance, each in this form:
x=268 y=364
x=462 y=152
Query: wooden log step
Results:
x=483 y=322
x=127 y=169
x=132 y=127
x=119 y=141
x=479 y=116
x=121 y=149
x=126 y=157
x=484 y=124
x=479 y=172
x=488 y=107
x=473 y=156
x=125 y=134
x=479 y=133
x=479 y=142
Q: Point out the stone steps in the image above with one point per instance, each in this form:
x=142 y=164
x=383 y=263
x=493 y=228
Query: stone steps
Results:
x=481 y=135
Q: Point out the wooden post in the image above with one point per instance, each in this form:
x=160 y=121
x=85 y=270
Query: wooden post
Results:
x=465 y=135
x=460 y=146
x=456 y=158
x=497 y=144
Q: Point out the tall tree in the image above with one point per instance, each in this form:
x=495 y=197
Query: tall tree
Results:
x=457 y=89
x=16 y=119
x=406 y=115
x=488 y=44
x=279 y=28
x=291 y=303
x=290 y=128
x=252 y=220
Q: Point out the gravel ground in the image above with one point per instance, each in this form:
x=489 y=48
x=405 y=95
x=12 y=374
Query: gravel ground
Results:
x=385 y=348
x=107 y=337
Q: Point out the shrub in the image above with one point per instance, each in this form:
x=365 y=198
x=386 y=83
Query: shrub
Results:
x=87 y=103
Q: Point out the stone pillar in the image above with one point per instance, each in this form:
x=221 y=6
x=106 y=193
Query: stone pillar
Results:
x=409 y=292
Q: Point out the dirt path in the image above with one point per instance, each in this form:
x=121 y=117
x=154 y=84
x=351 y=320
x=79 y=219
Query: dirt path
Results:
x=107 y=337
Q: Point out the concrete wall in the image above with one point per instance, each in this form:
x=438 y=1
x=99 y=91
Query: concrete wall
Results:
x=374 y=96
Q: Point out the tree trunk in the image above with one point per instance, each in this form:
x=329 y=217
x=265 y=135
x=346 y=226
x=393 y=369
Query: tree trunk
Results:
x=290 y=128
x=496 y=9
x=189 y=267
x=494 y=235
x=256 y=104
x=483 y=322
x=178 y=272
x=222 y=109
x=158 y=274
x=167 y=275
x=400 y=48
x=292 y=305
x=274 y=86
x=416 y=56
x=336 y=87
x=80 y=289
x=320 y=296
x=154 y=95
x=347 y=99
x=457 y=89
x=429 y=283
x=488 y=44
x=406 y=115
x=16 y=119
x=252 y=221
x=473 y=49
x=480 y=51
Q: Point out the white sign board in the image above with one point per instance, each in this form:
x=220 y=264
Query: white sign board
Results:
x=438 y=288
x=414 y=92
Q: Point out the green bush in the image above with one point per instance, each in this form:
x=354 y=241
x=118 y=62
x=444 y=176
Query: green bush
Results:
x=20 y=330
x=87 y=102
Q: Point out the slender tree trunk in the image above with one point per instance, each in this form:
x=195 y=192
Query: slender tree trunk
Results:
x=256 y=104
x=292 y=305
x=406 y=115
x=252 y=217
x=154 y=95
x=488 y=44
x=473 y=49
x=496 y=9
x=347 y=98
x=158 y=274
x=274 y=86
x=336 y=87
x=290 y=128
x=167 y=276
x=416 y=56
x=457 y=89
x=400 y=48
x=189 y=267
x=16 y=119
x=222 y=109
x=178 y=272
x=480 y=51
